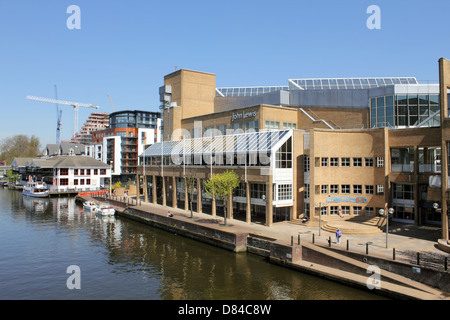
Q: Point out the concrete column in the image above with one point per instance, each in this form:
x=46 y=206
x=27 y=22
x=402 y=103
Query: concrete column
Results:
x=174 y=192
x=138 y=187
x=230 y=206
x=199 y=195
x=269 y=203
x=164 y=200
x=145 y=189
x=154 y=189
x=416 y=186
x=248 y=211
x=186 y=196
x=444 y=83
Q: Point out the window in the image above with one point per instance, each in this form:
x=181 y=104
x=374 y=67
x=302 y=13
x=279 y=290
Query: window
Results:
x=345 y=188
x=323 y=211
x=357 y=162
x=369 y=162
x=345 y=209
x=284 y=191
x=324 y=162
x=75 y=172
x=75 y=182
x=283 y=156
x=334 y=162
x=357 y=210
x=324 y=189
x=380 y=189
x=63 y=172
x=81 y=172
x=64 y=182
x=345 y=162
x=369 y=189
x=88 y=182
x=88 y=172
x=289 y=125
x=334 y=188
x=357 y=188
x=252 y=126
x=380 y=162
x=403 y=191
x=102 y=171
x=306 y=163
x=272 y=125
x=368 y=211
x=334 y=210
x=306 y=193
x=82 y=182
x=95 y=172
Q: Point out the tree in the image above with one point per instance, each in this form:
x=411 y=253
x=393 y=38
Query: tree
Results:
x=19 y=146
x=220 y=186
x=12 y=177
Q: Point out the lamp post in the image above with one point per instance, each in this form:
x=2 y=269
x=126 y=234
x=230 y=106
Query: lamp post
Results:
x=387 y=214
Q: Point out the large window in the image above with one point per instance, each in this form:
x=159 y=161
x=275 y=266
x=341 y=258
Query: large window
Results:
x=283 y=156
x=284 y=191
x=403 y=191
x=405 y=110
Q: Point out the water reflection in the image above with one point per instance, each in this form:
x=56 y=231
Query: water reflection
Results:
x=123 y=259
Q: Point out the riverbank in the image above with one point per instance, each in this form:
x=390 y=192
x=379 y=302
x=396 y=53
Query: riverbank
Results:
x=300 y=248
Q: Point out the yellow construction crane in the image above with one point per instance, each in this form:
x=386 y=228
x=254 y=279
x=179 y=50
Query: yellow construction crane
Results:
x=76 y=106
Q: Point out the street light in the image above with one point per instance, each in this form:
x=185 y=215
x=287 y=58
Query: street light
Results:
x=382 y=213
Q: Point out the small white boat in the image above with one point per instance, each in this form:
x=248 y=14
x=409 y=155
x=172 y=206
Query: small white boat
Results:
x=36 y=189
x=105 y=209
x=89 y=206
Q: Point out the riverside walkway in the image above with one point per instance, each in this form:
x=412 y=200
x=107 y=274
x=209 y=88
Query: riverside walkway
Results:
x=406 y=239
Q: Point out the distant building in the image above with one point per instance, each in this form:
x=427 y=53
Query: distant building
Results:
x=64 y=173
x=65 y=148
x=129 y=133
x=96 y=121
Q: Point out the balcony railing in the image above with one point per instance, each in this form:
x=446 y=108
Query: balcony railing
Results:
x=423 y=168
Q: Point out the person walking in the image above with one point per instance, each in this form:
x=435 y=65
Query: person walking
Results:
x=338 y=236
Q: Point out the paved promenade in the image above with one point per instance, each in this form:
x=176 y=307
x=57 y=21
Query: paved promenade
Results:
x=404 y=238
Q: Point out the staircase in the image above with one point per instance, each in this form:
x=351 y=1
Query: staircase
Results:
x=355 y=225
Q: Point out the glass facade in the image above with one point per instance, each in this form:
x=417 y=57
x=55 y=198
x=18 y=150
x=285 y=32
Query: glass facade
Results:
x=134 y=119
x=412 y=110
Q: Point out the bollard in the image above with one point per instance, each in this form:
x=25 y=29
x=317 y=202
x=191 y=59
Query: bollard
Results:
x=298 y=239
x=367 y=248
x=393 y=253
x=292 y=241
x=329 y=241
x=445 y=263
x=313 y=238
x=418 y=258
x=348 y=244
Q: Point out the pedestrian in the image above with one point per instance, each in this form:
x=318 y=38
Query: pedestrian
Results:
x=338 y=236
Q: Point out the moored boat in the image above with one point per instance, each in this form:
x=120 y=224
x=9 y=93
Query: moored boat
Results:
x=90 y=206
x=36 y=189
x=105 y=209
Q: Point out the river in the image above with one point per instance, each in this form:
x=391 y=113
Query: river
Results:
x=43 y=240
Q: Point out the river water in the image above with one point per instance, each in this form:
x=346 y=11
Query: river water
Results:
x=116 y=258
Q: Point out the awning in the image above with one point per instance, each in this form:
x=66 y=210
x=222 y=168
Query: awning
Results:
x=244 y=143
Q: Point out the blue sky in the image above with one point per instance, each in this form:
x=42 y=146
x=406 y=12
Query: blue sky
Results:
x=124 y=48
